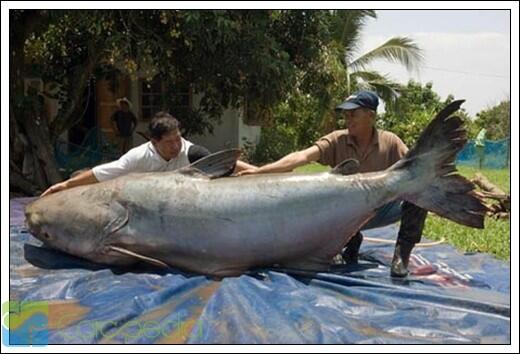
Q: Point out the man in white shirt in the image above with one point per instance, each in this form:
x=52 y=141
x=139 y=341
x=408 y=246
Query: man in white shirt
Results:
x=166 y=151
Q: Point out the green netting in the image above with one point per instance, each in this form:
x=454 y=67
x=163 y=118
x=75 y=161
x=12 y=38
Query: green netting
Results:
x=94 y=149
x=494 y=154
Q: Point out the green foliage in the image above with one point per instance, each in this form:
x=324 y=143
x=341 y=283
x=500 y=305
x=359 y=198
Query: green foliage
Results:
x=496 y=120
x=401 y=50
x=228 y=56
x=346 y=28
x=308 y=108
x=297 y=128
x=275 y=142
x=413 y=110
x=259 y=58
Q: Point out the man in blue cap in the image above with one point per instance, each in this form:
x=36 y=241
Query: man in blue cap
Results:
x=375 y=150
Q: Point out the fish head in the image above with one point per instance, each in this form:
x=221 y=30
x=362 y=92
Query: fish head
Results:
x=74 y=221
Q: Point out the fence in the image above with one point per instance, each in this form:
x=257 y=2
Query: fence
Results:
x=94 y=149
x=496 y=154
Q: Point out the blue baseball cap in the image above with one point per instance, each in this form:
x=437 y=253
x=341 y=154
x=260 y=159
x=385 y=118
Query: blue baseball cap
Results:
x=365 y=99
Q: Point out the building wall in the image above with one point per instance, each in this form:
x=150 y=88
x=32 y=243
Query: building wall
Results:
x=248 y=134
x=225 y=134
x=142 y=126
x=107 y=105
x=230 y=133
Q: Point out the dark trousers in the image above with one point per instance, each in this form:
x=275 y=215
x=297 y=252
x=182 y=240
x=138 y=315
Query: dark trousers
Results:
x=411 y=216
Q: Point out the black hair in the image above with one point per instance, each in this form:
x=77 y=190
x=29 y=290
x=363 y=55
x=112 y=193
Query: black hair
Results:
x=162 y=123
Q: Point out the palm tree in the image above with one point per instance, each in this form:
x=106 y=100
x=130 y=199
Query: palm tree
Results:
x=347 y=28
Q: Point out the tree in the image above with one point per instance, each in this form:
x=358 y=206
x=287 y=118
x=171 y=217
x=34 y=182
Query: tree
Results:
x=28 y=129
x=308 y=108
x=413 y=110
x=400 y=50
x=496 y=120
x=231 y=57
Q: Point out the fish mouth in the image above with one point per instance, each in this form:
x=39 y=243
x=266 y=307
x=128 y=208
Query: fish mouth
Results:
x=34 y=225
x=38 y=232
x=42 y=235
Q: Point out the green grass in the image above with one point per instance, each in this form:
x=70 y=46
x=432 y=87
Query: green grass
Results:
x=493 y=239
x=312 y=167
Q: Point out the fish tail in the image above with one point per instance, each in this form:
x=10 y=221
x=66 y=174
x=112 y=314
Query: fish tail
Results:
x=433 y=181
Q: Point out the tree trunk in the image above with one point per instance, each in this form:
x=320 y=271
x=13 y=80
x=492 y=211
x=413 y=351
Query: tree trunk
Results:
x=71 y=115
x=20 y=182
x=40 y=145
x=23 y=117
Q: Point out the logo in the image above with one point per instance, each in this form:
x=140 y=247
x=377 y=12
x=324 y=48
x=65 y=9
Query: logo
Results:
x=25 y=323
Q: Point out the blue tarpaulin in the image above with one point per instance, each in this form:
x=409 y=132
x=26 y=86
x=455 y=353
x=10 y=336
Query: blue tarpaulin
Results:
x=448 y=298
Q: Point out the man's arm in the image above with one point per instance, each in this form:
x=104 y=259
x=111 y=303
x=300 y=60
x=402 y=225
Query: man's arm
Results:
x=134 y=121
x=288 y=162
x=242 y=166
x=113 y=123
x=82 y=179
x=127 y=163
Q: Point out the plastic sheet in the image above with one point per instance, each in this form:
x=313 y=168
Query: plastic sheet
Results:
x=448 y=298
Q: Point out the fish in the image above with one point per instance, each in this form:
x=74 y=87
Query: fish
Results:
x=201 y=220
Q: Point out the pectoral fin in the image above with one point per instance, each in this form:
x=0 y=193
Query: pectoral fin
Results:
x=347 y=167
x=219 y=164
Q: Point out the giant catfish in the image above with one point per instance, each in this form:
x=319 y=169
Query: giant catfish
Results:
x=196 y=220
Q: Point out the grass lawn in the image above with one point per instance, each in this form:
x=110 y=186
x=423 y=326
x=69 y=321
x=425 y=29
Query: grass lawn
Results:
x=313 y=167
x=493 y=239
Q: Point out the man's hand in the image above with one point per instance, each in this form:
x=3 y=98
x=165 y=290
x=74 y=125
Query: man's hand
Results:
x=248 y=171
x=81 y=179
x=287 y=163
x=55 y=188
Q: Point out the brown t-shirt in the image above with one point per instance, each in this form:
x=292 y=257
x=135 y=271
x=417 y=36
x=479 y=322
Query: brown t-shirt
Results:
x=385 y=149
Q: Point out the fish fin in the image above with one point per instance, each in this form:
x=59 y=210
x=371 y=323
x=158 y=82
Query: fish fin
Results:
x=119 y=220
x=347 y=167
x=433 y=182
x=139 y=256
x=219 y=164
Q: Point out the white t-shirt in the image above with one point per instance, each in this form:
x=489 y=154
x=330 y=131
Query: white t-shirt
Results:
x=143 y=158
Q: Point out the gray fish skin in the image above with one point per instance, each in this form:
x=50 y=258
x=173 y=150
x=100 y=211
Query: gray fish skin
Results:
x=224 y=226
x=211 y=226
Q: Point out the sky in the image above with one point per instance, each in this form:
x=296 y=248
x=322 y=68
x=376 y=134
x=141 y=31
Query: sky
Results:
x=466 y=52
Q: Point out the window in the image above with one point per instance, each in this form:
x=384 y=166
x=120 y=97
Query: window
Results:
x=155 y=98
x=182 y=97
x=151 y=98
